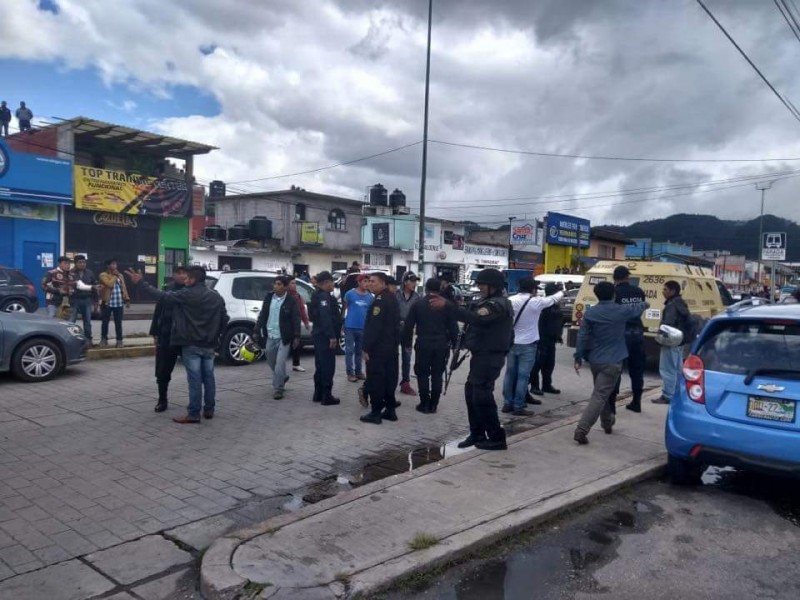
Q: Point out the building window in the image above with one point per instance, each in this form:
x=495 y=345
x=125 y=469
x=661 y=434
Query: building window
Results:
x=300 y=212
x=336 y=219
x=378 y=260
x=606 y=251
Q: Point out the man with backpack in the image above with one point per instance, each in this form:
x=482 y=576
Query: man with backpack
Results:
x=675 y=314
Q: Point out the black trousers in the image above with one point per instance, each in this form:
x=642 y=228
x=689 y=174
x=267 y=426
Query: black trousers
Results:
x=382 y=374
x=545 y=363
x=324 y=366
x=166 y=357
x=106 y=312
x=484 y=369
x=635 y=363
x=296 y=356
x=429 y=365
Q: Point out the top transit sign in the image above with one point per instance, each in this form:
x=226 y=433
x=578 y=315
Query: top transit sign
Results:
x=564 y=230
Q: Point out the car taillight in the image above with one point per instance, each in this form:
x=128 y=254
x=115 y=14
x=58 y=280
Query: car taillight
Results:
x=694 y=373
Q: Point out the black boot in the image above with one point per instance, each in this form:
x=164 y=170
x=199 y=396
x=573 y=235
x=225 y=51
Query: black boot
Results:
x=161 y=405
x=434 y=404
x=389 y=414
x=317 y=394
x=328 y=399
x=424 y=404
x=471 y=440
x=496 y=442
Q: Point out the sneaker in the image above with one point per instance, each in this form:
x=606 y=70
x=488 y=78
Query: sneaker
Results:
x=208 y=414
x=361 y=377
x=660 y=400
x=299 y=369
x=406 y=388
x=277 y=396
x=580 y=437
x=522 y=412
x=506 y=408
x=362 y=397
x=104 y=343
x=549 y=389
x=186 y=419
x=536 y=391
x=118 y=345
x=352 y=378
x=531 y=400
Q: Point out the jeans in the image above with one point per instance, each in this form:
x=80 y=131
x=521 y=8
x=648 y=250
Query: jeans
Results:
x=51 y=310
x=277 y=355
x=105 y=313
x=605 y=378
x=4 y=128
x=518 y=372
x=83 y=307
x=352 y=350
x=669 y=366
x=406 y=360
x=199 y=365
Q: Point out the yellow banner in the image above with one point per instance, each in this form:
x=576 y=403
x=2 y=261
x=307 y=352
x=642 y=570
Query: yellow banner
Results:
x=129 y=193
x=310 y=233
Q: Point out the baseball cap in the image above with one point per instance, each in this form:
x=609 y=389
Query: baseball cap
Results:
x=410 y=275
x=324 y=276
x=621 y=272
x=391 y=280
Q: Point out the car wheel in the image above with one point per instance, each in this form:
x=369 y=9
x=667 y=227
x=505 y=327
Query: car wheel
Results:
x=14 y=306
x=684 y=472
x=232 y=341
x=37 y=360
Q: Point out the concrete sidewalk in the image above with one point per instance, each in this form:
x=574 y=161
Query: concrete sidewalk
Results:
x=360 y=542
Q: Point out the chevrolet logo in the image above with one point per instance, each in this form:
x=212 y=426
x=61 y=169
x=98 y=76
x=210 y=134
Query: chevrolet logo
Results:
x=771 y=388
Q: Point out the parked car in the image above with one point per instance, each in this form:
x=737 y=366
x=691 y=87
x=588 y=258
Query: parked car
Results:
x=17 y=292
x=37 y=348
x=243 y=292
x=737 y=403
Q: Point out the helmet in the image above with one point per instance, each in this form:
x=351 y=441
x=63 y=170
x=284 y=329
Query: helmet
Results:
x=249 y=351
x=491 y=277
x=671 y=337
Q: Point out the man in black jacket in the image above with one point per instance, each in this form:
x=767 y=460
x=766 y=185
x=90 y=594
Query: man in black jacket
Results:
x=551 y=330
x=278 y=331
x=676 y=314
x=82 y=296
x=324 y=314
x=161 y=330
x=435 y=334
x=198 y=320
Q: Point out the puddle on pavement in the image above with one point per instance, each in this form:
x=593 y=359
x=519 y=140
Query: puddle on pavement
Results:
x=781 y=494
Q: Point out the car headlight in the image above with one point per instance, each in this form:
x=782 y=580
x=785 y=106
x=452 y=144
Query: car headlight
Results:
x=75 y=330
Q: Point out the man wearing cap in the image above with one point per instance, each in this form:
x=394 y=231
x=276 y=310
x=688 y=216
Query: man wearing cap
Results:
x=355 y=305
x=626 y=293
x=381 y=340
x=324 y=313
x=406 y=298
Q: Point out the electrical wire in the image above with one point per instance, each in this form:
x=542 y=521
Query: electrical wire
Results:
x=791 y=23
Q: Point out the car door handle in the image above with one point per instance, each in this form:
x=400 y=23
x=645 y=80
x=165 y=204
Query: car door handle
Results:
x=255 y=310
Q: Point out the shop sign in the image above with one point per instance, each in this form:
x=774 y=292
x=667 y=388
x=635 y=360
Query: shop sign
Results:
x=310 y=233
x=473 y=251
x=114 y=220
x=28 y=210
x=564 y=230
x=131 y=193
x=28 y=177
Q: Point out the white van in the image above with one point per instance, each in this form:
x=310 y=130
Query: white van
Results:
x=562 y=278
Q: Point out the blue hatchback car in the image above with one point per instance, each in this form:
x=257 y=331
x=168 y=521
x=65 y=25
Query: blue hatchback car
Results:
x=739 y=395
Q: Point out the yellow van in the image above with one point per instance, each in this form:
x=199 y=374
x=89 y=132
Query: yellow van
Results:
x=705 y=295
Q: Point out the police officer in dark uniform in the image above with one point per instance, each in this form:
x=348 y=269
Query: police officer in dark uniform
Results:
x=435 y=335
x=380 y=348
x=325 y=315
x=489 y=336
x=161 y=329
x=626 y=293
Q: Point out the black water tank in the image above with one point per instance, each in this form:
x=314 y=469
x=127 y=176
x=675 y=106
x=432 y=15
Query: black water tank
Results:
x=397 y=198
x=378 y=195
x=216 y=189
x=238 y=232
x=214 y=233
x=260 y=228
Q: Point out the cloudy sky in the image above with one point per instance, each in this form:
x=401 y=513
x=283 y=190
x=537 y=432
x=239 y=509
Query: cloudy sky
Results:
x=289 y=86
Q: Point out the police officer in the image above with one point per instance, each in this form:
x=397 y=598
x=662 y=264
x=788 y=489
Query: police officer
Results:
x=161 y=329
x=627 y=293
x=489 y=335
x=435 y=335
x=380 y=346
x=324 y=314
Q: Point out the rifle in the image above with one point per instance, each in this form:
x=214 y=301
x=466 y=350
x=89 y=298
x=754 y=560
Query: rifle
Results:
x=456 y=359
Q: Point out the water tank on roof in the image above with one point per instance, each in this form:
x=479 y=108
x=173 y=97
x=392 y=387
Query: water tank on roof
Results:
x=215 y=233
x=397 y=198
x=239 y=232
x=260 y=228
x=216 y=189
x=378 y=195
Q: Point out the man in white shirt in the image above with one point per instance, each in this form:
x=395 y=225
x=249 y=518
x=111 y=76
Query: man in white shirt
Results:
x=527 y=308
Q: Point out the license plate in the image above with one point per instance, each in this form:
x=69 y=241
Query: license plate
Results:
x=771 y=410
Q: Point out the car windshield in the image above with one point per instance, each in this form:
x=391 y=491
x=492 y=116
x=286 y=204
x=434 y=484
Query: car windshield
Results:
x=741 y=346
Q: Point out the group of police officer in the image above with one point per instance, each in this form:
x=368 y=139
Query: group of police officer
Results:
x=488 y=336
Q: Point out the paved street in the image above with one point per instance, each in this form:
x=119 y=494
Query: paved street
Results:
x=86 y=464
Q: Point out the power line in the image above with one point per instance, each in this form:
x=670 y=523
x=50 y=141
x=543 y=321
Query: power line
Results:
x=791 y=23
x=747 y=58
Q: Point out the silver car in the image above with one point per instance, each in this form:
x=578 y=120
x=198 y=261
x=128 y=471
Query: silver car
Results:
x=37 y=348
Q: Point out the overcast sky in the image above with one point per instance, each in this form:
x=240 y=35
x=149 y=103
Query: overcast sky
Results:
x=288 y=86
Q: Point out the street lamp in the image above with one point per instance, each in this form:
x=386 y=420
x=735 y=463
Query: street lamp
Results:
x=510 y=243
x=763 y=186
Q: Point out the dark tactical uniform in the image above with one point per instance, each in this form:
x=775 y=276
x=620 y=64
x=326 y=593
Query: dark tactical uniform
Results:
x=436 y=332
x=625 y=293
x=381 y=343
x=551 y=329
x=324 y=314
x=489 y=337
x=166 y=354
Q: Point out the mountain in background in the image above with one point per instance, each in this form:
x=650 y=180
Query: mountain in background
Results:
x=706 y=232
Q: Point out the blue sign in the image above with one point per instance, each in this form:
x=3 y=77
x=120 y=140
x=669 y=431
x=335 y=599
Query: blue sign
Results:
x=563 y=230
x=34 y=178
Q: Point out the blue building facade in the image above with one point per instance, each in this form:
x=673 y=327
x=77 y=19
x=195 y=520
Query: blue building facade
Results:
x=647 y=249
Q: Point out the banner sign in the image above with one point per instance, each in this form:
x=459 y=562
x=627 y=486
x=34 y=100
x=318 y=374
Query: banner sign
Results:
x=28 y=210
x=130 y=193
x=564 y=230
x=34 y=178
x=523 y=235
x=310 y=233
x=380 y=235
x=472 y=251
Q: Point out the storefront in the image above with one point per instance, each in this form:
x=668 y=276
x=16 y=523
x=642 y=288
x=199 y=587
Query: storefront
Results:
x=221 y=256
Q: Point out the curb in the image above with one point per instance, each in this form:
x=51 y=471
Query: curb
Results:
x=219 y=581
x=125 y=352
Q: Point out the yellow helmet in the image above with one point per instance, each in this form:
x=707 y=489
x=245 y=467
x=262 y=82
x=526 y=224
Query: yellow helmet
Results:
x=249 y=351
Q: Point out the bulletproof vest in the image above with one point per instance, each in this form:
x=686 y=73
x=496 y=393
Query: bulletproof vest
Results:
x=496 y=334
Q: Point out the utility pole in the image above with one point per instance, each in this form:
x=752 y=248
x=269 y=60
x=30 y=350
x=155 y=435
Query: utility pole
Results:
x=421 y=254
x=510 y=244
x=763 y=186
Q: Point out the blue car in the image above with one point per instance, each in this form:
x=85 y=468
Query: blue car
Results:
x=738 y=395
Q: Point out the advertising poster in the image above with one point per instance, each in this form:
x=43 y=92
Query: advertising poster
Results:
x=132 y=194
x=564 y=230
x=26 y=210
x=33 y=178
x=310 y=233
x=380 y=235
